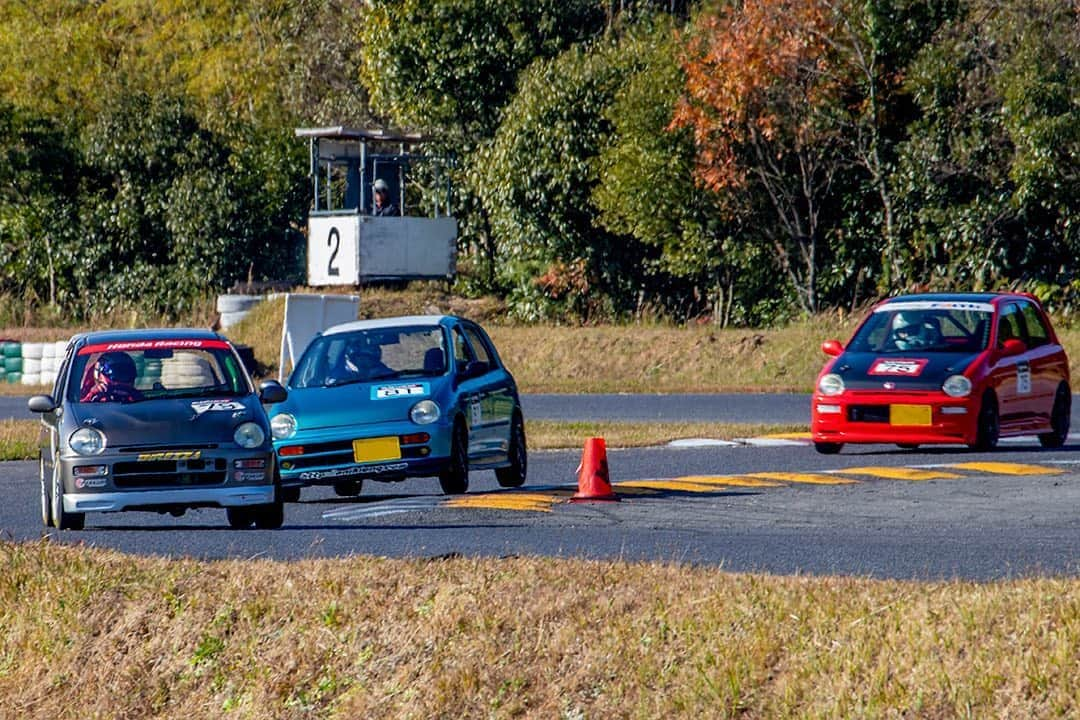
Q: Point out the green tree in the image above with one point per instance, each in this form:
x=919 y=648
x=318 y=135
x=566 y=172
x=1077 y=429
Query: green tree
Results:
x=988 y=182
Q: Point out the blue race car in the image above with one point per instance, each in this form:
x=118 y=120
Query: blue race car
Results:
x=396 y=398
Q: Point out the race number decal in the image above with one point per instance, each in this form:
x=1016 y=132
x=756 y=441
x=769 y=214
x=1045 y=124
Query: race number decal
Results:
x=1023 y=378
x=384 y=392
x=202 y=406
x=898 y=366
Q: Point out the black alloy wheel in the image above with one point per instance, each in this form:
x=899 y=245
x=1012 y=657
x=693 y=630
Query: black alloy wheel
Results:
x=514 y=474
x=828 y=448
x=988 y=424
x=1060 y=419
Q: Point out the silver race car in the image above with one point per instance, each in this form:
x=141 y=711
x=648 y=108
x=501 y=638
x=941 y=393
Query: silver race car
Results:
x=159 y=420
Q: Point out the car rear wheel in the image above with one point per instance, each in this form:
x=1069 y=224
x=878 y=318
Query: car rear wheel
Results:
x=240 y=518
x=454 y=478
x=290 y=494
x=828 y=448
x=514 y=474
x=988 y=424
x=46 y=501
x=1060 y=417
x=63 y=520
x=348 y=488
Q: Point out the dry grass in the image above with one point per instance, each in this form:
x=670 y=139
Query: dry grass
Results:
x=19 y=439
x=550 y=434
x=90 y=633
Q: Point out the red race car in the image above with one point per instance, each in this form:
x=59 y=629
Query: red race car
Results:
x=944 y=368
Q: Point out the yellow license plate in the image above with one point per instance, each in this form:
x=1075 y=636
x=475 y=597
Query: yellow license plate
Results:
x=911 y=415
x=376 y=449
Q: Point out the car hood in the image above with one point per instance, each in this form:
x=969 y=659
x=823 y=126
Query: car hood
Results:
x=178 y=422
x=910 y=371
x=357 y=404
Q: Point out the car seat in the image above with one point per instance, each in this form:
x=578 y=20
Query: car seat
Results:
x=434 y=360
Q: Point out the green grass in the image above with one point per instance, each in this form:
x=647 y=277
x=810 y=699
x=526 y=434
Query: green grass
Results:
x=93 y=633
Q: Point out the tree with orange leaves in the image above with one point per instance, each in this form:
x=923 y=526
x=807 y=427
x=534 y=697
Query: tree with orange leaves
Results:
x=767 y=99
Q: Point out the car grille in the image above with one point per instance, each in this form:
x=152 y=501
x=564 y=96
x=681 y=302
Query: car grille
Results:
x=868 y=413
x=169 y=473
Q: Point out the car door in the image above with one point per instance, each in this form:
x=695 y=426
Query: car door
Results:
x=1046 y=359
x=1011 y=376
x=498 y=401
x=470 y=391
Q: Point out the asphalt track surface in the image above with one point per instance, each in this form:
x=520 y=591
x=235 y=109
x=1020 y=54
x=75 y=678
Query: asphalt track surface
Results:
x=873 y=511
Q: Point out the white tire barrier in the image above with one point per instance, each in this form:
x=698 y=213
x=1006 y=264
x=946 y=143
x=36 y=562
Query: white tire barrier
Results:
x=31 y=378
x=237 y=303
x=33 y=351
x=31 y=366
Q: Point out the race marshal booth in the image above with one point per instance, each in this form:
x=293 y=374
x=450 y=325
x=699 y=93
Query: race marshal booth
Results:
x=347 y=243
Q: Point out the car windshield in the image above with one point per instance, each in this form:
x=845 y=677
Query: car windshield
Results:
x=371 y=355
x=126 y=372
x=925 y=327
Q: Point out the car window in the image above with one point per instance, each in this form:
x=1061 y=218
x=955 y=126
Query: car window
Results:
x=1037 y=332
x=479 y=346
x=463 y=354
x=134 y=371
x=924 y=327
x=371 y=355
x=1010 y=325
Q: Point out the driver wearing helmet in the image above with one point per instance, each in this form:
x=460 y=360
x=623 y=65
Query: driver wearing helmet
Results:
x=113 y=380
x=911 y=331
x=360 y=360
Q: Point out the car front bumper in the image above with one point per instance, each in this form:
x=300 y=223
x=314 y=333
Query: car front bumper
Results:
x=870 y=417
x=328 y=454
x=213 y=477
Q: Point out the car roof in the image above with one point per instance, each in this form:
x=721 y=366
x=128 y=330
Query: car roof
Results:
x=109 y=336
x=985 y=297
x=392 y=322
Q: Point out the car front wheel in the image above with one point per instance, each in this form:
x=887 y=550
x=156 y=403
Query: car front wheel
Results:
x=828 y=448
x=63 y=520
x=988 y=427
x=514 y=474
x=240 y=518
x=454 y=478
x=46 y=501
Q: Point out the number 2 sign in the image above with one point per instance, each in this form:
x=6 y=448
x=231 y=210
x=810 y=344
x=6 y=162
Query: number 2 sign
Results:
x=332 y=251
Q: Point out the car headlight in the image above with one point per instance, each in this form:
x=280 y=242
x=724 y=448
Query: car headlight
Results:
x=424 y=412
x=282 y=426
x=831 y=384
x=249 y=435
x=87 y=441
x=957 y=386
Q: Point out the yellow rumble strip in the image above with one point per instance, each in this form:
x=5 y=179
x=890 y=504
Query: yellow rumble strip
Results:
x=808 y=478
x=901 y=473
x=1001 y=468
x=672 y=485
x=531 y=502
x=788 y=436
x=732 y=480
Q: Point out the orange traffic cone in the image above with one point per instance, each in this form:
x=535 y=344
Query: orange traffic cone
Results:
x=593 y=482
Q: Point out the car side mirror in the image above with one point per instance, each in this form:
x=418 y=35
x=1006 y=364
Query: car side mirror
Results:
x=832 y=348
x=41 y=404
x=271 y=392
x=1013 y=346
x=475 y=368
